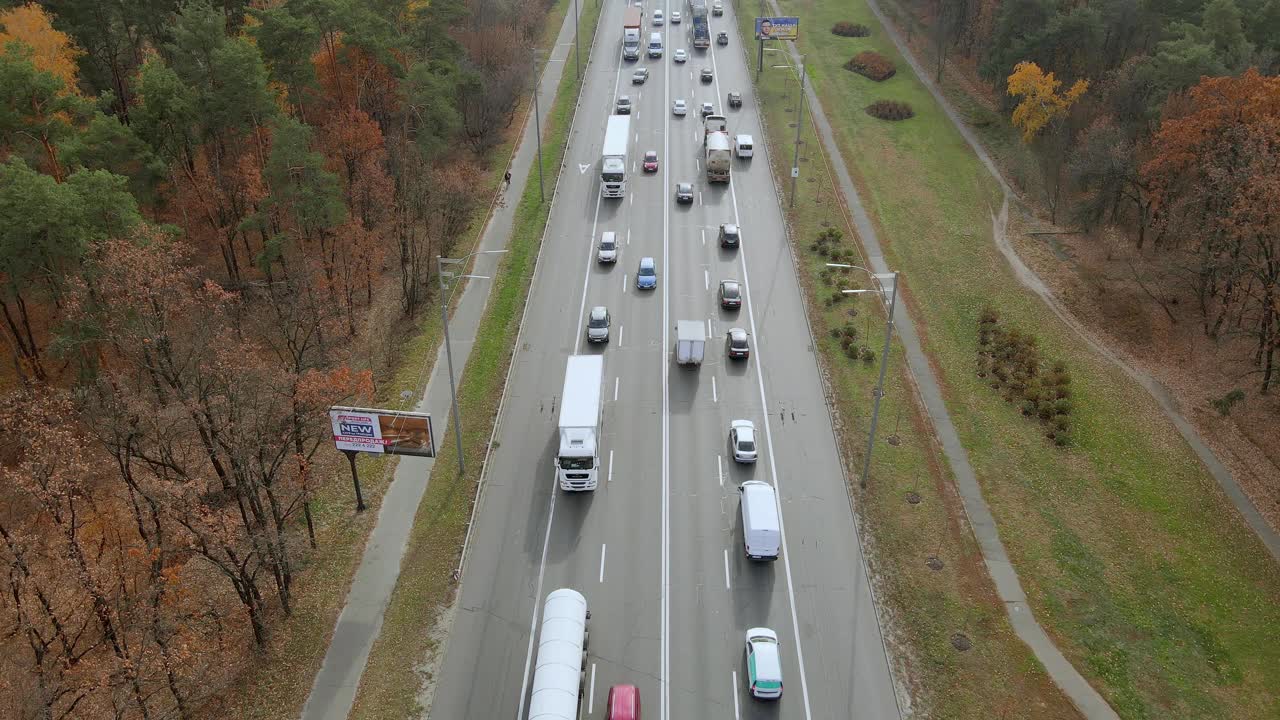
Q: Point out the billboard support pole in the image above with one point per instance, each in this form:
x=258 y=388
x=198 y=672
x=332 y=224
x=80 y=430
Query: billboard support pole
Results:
x=355 y=478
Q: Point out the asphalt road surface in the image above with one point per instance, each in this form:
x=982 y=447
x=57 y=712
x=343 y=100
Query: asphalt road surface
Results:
x=657 y=549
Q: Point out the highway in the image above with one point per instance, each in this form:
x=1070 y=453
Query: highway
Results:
x=657 y=548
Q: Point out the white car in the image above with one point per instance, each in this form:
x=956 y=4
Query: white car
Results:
x=764 y=664
x=680 y=55
x=657 y=18
x=742 y=438
x=675 y=17
x=679 y=107
x=717 y=8
x=608 y=250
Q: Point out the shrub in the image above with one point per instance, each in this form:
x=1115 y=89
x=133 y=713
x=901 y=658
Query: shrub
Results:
x=844 y=28
x=836 y=296
x=890 y=110
x=868 y=355
x=1224 y=404
x=871 y=65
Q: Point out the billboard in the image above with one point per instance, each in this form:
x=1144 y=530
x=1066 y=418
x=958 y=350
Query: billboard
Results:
x=777 y=28
x=382 y=431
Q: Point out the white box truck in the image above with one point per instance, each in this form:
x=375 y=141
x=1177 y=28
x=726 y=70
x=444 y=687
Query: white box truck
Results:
x=562 y=657
x=578 y=462
x=631 y=33
x=613 y=161
x=761 y=530
x=691 y=342
x=715 y=139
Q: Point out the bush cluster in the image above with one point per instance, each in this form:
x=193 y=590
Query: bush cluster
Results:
x=1011 y=363
x=848 y=339
x=890 y=110
x=872 y=65
x=830 y=244
x=844 y=28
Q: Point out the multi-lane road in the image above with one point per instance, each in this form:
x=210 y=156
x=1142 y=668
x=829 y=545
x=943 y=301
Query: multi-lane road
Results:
x=657 y=548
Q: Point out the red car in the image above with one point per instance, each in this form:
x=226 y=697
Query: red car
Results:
x=651 y=161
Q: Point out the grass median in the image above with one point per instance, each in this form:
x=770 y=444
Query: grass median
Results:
x=1131 y=557
x=392 y=682
x=928 y=569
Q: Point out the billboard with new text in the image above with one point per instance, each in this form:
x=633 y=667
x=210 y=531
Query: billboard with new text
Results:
x=382 y=431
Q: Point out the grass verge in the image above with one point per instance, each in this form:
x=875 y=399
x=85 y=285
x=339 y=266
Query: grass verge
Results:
x=277 y=684
x=392 y=681
x=998 y=677
x=1130 y=555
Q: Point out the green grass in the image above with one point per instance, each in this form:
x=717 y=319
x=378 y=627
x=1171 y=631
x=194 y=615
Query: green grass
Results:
x=1130 y=555
x=998 y=677
x=391 y=683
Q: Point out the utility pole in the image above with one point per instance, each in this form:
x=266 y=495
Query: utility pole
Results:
x=795 y=158
x=448 y=351
x=760 y=54
x=537 y=125
x=884 y=362
x=577 y=44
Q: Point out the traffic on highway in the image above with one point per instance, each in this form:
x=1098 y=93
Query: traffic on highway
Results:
x=665 y=522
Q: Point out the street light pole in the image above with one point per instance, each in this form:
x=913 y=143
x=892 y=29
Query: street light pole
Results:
x=577 y=68
x=448 y=352
x=884 y=361
x=795 y=158
x=448 y=345
x=537 y=125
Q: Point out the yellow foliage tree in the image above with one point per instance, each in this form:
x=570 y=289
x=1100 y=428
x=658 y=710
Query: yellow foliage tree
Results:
x=1041 y=102
x=54 y=52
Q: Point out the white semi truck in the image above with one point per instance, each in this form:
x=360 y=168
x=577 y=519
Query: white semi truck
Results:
x=562 y=657
x=578 y=462
x=613 y=161
x=715 y=139
x=631 y=33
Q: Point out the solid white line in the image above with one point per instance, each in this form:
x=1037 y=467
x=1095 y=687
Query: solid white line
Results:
x=699 y=197
x=591 y=698
x=603 y=547
x=773 y=470
x=615 y=388
x=586 y=277
x=664 y=668
x=610 y=478
x=720 y=469
x=537 y=597
x=736 y=714
x=727 y=586
x=714 y=396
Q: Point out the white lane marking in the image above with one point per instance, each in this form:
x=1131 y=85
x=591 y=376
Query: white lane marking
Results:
x=624 y=283
x=703 y=232
x=603 y=547
x=615 y=388
x=699 y=197
x=628 y=236
x=537 y=595
x=631 y=199
x=609 y=479
x=720 y=469
x=706 y=279
x=773 y=469
x=620 y=329
x=591 y=698
x=709 y=333
x=727 y=586
x=664 y=667
x=633 y=167
x=736 y=714
x=714 y=396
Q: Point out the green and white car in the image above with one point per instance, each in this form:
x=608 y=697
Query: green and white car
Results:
x=764 y=664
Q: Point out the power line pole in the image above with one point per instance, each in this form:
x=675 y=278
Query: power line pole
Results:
x=884 y=362
x=795 y=158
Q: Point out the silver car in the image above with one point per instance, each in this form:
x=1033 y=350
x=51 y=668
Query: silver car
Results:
x=607 y=251
x=742 y=438
x=598 y=325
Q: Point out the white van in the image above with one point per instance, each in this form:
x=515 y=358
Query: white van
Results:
x=761 y=531
x=655 y=45
x=742 y=145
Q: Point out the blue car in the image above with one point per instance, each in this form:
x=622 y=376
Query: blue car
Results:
x=647 y=275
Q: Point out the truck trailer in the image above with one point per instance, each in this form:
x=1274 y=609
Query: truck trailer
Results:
x=613 y=161
x=701 y=30
x=691 y=342
x=715 y=140
x=578 y=462
x=631 y=33
x=562 y=657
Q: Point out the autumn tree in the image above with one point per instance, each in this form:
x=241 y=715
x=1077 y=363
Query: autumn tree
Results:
x=1040 y=115
x=1215 y=180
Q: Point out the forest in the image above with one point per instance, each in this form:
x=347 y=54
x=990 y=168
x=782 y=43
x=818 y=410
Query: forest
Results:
x=218 y=220
x=1159 y=119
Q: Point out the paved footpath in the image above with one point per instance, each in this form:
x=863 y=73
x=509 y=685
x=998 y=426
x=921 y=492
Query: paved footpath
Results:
x=335 y=685
x=1064 y=675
